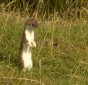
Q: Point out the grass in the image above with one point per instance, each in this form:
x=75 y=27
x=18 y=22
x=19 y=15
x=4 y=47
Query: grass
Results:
x=61 y=56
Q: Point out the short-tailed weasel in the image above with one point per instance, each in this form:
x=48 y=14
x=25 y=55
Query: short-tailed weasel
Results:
x=27 y=43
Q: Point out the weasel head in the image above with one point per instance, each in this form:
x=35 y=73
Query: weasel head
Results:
x=32 y=23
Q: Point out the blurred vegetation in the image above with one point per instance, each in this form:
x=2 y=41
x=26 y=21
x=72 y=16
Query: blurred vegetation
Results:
x=44 y=8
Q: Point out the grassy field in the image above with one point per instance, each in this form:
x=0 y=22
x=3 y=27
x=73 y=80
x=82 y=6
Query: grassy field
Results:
x=60 y=58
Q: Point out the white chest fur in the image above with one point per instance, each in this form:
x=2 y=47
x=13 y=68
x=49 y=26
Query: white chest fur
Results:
x=29 y=35
x=27 y=55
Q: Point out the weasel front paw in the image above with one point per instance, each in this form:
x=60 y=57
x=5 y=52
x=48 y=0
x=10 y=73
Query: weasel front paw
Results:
x=34 y=44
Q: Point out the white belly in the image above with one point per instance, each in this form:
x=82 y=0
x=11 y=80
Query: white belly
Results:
x=26 y=56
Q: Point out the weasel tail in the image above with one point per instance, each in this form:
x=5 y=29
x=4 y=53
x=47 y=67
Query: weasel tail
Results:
x=27 y=43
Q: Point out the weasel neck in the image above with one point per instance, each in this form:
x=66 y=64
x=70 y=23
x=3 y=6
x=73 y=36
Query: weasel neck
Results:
x=29 y=28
